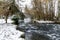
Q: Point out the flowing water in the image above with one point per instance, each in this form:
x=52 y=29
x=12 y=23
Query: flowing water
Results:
x=37 y=31
x=44 y=32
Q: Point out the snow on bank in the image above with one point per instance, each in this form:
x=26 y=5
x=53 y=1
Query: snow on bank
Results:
x=41 y=21
x=27 y=20
x=9 y=32
x=3 y=21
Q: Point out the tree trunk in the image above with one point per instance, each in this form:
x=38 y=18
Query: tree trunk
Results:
x=6 y=19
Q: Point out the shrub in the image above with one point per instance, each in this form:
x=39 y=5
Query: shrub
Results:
x=16 y=20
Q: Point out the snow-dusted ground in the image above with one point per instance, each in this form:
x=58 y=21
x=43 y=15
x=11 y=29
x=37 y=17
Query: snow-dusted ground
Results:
x=9 y=32
x=3 y=21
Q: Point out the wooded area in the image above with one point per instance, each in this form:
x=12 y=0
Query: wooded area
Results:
x=7 y=9
x=44 y=10
x=41 y=10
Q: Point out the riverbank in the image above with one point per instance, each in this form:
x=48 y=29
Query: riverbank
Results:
x=8 y=32
x=47 y=22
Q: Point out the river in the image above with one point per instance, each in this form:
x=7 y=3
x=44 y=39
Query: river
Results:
x=38 y=31
x=44 y=32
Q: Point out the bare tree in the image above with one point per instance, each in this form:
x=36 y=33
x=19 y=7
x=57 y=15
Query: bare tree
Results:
x=8 y=9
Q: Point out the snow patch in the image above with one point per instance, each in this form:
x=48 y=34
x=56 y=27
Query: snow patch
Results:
x=3 y=21
x=41 y=21
x=9 y=32
x=27 y=20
